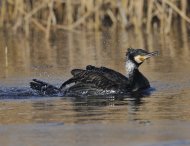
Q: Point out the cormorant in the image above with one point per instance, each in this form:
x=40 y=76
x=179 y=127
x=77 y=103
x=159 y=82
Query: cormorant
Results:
x=98 y=81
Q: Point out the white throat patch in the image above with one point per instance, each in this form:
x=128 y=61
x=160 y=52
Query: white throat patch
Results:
x=130 y=66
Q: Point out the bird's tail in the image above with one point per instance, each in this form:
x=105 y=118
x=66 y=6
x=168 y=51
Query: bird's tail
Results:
x=43 y=87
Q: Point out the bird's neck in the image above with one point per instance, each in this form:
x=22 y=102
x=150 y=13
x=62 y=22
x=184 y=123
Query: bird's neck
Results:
x=130 y=68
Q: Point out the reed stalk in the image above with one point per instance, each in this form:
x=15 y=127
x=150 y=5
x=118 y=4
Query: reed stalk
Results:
x=91 y=14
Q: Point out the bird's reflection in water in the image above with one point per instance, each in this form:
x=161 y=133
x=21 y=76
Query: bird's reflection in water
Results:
x=106 y=109
x=133 y=100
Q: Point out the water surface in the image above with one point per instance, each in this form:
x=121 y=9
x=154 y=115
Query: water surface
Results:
x=159 y=118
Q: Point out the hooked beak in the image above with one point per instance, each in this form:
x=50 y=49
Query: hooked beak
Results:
x=151 y=54
x=142 y=58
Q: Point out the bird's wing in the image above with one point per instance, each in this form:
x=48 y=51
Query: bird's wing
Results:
x=110 y=74
x=102 y=78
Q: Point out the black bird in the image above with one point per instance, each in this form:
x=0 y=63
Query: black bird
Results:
x=97 y=81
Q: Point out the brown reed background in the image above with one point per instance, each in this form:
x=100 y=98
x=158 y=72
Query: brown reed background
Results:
x=47 y=15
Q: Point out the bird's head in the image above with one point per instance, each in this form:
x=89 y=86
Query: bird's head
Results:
x=138 y=56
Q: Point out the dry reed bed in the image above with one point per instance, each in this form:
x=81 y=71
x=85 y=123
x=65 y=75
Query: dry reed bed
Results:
x=91 y=14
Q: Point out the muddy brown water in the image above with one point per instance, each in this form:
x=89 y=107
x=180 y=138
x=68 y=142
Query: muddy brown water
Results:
x=160 y=118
